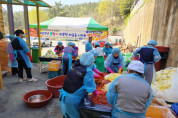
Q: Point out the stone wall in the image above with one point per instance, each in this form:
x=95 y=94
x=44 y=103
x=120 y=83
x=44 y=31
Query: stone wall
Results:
x=157 y=19
x=165 y=28
x=139 y=28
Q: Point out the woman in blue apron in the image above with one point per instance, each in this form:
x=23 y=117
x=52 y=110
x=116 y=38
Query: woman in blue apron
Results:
x=59 y=48
x=23 y=56
x=88 y=45
x=97 y=73
x=78 y=82
x=76 y=50
x=130 y=94
x=67 y=58
x=12 y=56
x=107 y=49
x=114 y=61
x=148 y=55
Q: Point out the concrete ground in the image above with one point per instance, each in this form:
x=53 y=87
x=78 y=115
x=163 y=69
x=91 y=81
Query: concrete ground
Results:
x=11 y=98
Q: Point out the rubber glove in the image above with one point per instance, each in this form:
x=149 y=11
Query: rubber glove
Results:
x=97 y=76
x=95 y=92
x=98 y=72
x=109 y=69
x=30 y=57
x=11 y=57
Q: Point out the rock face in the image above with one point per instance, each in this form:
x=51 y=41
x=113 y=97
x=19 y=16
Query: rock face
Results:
x=139 y=26
x=165 y=27
x=157 y=19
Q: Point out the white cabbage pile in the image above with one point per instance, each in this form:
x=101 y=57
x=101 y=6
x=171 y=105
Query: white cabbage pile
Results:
x=166 y=85
x=50 y=54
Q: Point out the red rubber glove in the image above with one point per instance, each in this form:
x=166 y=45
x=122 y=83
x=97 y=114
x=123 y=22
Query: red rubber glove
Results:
x=30 y=57
x=11 y=57
x=109 y=69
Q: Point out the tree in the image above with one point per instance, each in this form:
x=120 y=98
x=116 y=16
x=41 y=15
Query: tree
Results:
x=106 y=8
x=33 y=16
x=56 y=10
x=19 y=22
x=125 y=6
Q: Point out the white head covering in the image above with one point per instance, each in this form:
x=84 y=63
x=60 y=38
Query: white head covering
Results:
x=137 y=66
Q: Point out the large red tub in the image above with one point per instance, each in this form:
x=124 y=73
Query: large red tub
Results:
x=55 y=84
x=46 y=93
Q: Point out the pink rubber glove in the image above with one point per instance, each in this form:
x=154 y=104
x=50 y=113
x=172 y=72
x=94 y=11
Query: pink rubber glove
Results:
x=96 y=76
x=95 y=92
x=98 y=72
x=11 y=57
x=120 y=67
x=109 y=69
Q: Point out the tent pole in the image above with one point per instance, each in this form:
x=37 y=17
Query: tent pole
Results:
x=38 y=25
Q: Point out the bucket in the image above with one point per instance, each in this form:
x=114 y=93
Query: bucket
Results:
x=46 y=93
x=55 y=84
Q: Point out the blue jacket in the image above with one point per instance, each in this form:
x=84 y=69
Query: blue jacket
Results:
x=70 y=102
x=128 y=100
x=113 y=63
x=88 y=46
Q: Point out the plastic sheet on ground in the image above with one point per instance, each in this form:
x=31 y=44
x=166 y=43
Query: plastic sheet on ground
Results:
x=88 y=109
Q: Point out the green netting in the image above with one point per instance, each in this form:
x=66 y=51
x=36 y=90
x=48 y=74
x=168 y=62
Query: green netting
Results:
x=41 y=3
x=10 y=1
x=25 y=2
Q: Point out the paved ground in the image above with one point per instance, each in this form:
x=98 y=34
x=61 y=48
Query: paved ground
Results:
x=12 y=104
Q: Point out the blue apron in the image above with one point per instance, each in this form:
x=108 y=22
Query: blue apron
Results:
x=118 y=113
x=24 y=52
x=70 y=61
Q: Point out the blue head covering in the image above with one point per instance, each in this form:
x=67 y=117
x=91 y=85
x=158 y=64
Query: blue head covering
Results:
x=11 y=37
x=69 y=43
x=73 y=44
x=95 y=53
x=97 y=44
x=59 y=43
x=152 y=42
x=86 y=59
x=116 y=51
x=107 y=43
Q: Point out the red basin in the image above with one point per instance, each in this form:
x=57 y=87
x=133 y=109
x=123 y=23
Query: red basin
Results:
x=55 y=84
x=46 y=93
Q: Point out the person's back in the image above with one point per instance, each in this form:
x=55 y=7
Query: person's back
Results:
x=132 y=94
x=67 y=50
x=75 y=77
x=146 y=54
x=100 y=51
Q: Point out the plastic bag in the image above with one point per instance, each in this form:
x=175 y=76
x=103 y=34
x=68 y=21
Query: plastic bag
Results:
x=174 y=107
x=88 y=109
